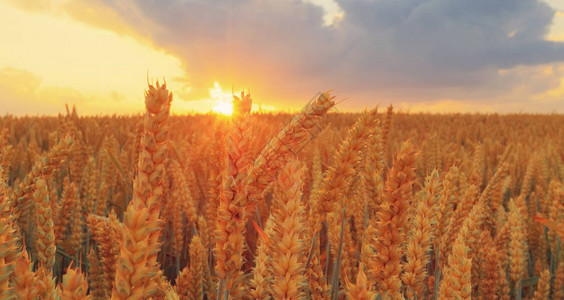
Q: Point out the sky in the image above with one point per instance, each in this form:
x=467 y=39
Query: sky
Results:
x=504 y=56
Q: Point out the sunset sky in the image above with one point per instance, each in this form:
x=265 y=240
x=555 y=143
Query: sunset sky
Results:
x=421 y=55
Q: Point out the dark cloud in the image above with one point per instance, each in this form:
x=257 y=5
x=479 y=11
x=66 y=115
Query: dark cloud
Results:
x=448 y=43
x=385 y=48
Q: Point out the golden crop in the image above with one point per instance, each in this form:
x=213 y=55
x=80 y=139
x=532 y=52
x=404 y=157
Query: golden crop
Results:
x=318 y=205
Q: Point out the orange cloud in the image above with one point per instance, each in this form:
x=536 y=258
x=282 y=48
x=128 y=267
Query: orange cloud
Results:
x=23 y=93
x=71 y=61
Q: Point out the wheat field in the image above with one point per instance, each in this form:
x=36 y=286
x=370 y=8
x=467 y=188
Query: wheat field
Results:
x=316 y=205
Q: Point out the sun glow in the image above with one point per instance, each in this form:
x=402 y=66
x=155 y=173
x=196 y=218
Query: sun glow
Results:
x=223 y=108
x=223 y=100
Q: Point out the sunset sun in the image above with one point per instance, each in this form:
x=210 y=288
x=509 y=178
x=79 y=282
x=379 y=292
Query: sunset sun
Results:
x=223 y=108
x=223 y=101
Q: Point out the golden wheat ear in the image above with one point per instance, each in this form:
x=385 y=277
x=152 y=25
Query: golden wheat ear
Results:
x=137 y=262
x=24 y=279
x=45 y=232
x=74 y=285
x=8 y=254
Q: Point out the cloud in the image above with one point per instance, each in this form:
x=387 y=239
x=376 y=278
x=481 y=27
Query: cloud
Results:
x=451 y=36
x=50 y=58
x=404 y=51
x=23 y=92
x=278 y=49
x=386 y=49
